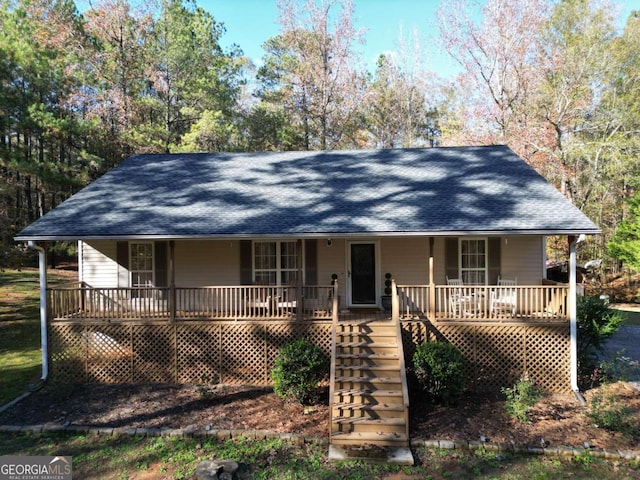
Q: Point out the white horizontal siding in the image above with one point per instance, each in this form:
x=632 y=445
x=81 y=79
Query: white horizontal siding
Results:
x=99 y=268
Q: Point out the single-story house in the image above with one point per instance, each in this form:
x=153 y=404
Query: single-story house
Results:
x=200 y=265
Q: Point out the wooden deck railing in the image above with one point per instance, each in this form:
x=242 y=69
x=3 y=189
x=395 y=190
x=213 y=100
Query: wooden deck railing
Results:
x=253 y=302
x=491 y=303
x=189 y=303
x=395 y=316
x=108 y=303
x=444 y=303
x=413 y=299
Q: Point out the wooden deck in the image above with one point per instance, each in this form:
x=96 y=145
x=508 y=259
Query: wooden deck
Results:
x=435 y=303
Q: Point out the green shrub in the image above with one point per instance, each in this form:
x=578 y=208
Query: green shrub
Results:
x=596 y=323
x=299 y=366
x=608 y=412
x=521 y=397
x=440 y=370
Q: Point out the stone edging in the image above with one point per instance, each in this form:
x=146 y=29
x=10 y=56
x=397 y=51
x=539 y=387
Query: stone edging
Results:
x=297 y=439
x=564 y=451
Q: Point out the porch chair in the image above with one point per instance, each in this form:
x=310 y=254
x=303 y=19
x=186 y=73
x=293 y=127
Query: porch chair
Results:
x=259 y=300
x=504 y=299
x=457 y=299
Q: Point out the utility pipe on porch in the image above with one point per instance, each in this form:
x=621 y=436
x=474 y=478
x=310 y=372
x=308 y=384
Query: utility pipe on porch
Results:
x=573 y=322
x=42 y=264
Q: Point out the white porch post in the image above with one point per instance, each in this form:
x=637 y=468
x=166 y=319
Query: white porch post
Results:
x=573 y=322
x=44 y=345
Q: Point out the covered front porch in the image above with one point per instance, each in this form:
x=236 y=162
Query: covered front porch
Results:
x=436 y=303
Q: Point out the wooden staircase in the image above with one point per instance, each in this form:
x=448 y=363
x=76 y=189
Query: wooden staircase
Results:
x=369 y=398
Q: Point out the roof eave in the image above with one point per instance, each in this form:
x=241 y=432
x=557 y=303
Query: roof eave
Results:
x=448 y=233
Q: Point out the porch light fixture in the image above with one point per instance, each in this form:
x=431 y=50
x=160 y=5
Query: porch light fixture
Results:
x=329 y=242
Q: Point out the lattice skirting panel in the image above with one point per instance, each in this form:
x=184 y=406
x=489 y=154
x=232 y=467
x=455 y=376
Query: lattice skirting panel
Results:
x=244 y=352
x=498 y=354
x=197 y=352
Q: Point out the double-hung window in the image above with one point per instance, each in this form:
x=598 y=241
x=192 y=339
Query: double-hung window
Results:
x=473 y=261
x=141 y=264
x=275 y=262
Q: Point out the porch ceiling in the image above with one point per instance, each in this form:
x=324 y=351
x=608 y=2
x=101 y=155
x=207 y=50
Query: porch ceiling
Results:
x=441 y=191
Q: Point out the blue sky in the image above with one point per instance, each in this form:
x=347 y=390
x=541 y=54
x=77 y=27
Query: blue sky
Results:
x=250 y=22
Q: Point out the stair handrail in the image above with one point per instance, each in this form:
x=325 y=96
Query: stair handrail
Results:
x=334 y=335
x=395 y=318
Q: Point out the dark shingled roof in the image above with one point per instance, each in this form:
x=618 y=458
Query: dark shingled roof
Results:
x=440 y=191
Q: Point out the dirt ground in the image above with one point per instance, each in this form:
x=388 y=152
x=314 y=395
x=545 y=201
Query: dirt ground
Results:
x=559 y=419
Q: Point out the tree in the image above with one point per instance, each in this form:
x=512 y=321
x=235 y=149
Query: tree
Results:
x=615 y=128
x=211 y=133
x=556 y=83
x=118 y=60
x=309 y=69
x=397 y=107
x=189 y=73
x=574 y=64
x=498 y=74
x=43 y=140
x=625 y=243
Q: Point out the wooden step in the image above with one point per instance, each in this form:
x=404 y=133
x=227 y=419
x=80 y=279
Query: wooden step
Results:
x=369 y=356
x=396 y=407
x=386 y=330
x=377 y=422
x=368 y=368
x=362 y=395
x=370 y=438
x=365 y=322
x=366 y=345
x=374 y=332
x=369 y=379
x=364 y=410
x=366 y=339
x=358 y=392
x=368 y=399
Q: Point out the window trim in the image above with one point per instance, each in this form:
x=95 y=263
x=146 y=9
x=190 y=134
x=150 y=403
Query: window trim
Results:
x=278 y=269
x=486 y=258
x=153 y=263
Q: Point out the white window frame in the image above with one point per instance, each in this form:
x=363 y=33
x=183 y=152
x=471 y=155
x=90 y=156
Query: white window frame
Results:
x=278 y=263
x=484 y=269
x=132 y=272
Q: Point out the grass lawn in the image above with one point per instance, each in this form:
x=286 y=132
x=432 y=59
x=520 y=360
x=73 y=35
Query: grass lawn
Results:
x=127 y=457
x=20 y=357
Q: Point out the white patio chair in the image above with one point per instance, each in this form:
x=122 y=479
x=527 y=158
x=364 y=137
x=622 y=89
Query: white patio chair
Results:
x=504 y=299
x=457 y=300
